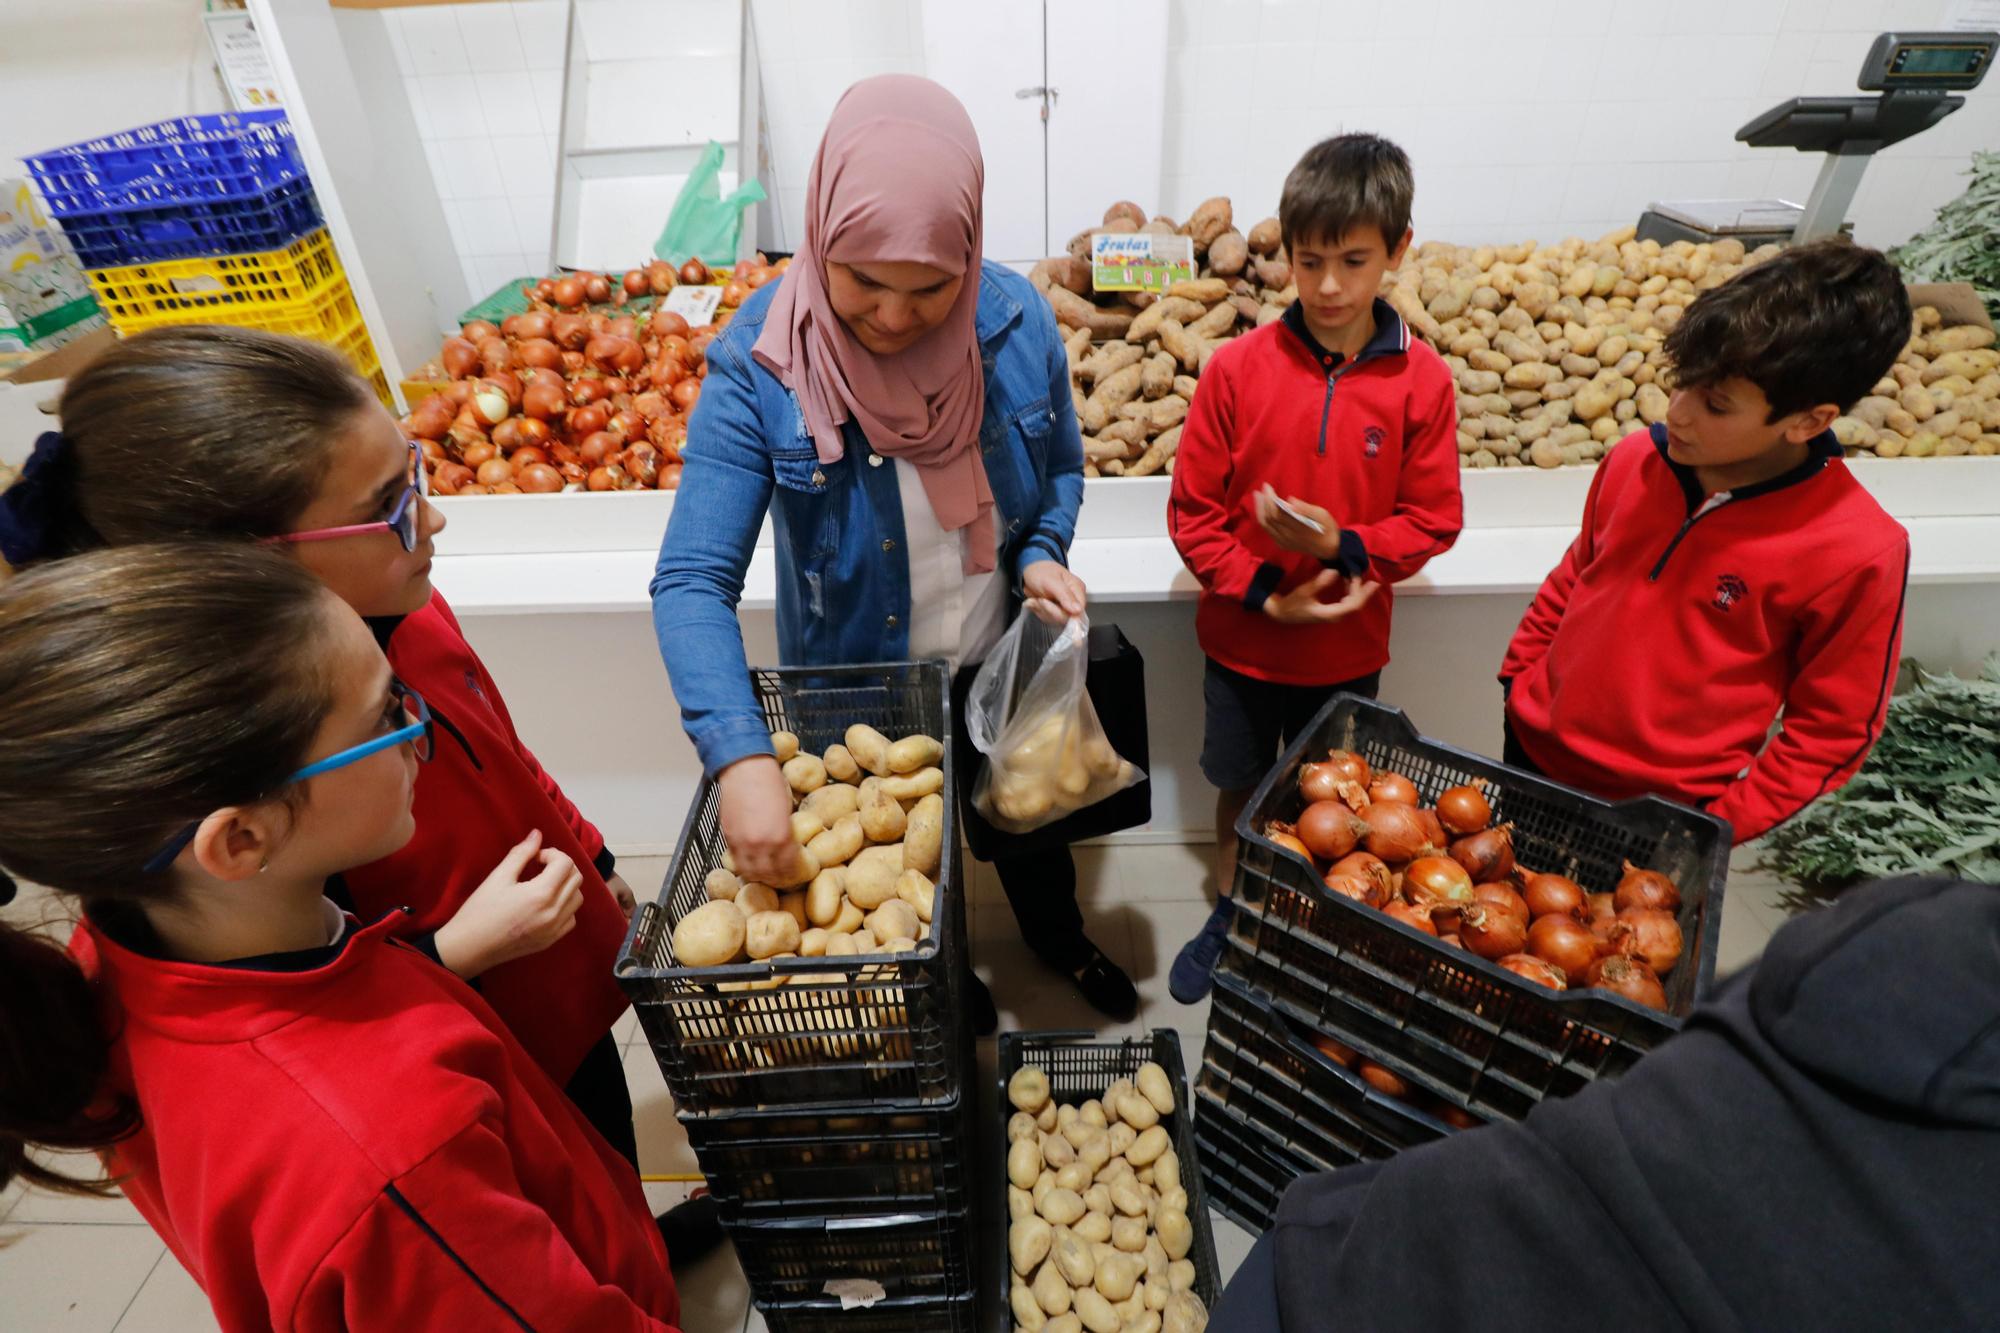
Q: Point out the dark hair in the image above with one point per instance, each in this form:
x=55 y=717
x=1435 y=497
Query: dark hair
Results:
x=199 y=430
x=1353 y=180
x=126 y=713
x=1819 y=323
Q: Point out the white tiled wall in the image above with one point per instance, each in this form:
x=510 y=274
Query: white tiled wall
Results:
x=1542 y=118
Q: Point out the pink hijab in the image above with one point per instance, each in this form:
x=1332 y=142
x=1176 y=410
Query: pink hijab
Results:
x=898 y=178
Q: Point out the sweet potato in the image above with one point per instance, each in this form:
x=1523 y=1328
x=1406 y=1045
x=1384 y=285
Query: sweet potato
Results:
x=1205 y=290
x=1156 y=376
x=1187 y=348
x=1128 y=210
x=1210 y=219
x=1078 y=313
x=1272 y=273
x=1147 y=325
x=1061 y=271
x=1228 y=253
x=1218 y=321
x=1265 y=237
x=1112 y=393
x=1157 y=455
x=1108 y=360
x=1158 y=415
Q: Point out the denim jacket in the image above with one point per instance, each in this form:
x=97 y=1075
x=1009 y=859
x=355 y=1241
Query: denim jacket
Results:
x=843 y=575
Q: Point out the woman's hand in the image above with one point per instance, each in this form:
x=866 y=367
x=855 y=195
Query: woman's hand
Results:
x=757 y=819
x=1052 y=592
x=508 y=917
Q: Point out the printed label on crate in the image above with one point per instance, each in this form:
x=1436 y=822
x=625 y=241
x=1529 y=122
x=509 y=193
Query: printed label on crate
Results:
x=200 y=282
x=856 y=1293
x=696 y=305
x=1139 y=261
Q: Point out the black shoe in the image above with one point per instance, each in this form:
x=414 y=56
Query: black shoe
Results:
x=1106 y=986
x=985 y=1018
x=691 y=1230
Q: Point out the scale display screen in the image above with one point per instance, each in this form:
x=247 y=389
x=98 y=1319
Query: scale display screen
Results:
x=1949 y=61
x=1938 y=61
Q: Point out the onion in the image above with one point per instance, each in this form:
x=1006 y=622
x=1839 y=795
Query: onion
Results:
x=596 y=447
x=1366 y=865
x=507 y=382
x=1394 y=832
x=447 y=477
x=1393 y=789
x=625 y=425
x=1656 y=937
x=757 y=277
x=1552 y=893
x=1492 y=931
x=1503 y=897
x=596 y=288
x=1458 y=1117
x=526 y=454
x=495 y=355
x=507 y=435
x=1464 y=809
x=670 y=477
x=478 y=452
x=570 y=331
x=642 y=463
x=694 y=273
x=470 y=488
x=1436 y=879
x=539 y=353
x=431 y=418
x=1434 y=835
x=1383 y=1079
x=611 y=353
x=477 y=331
x=1351 y=766
x=1628 y=977
x=610 y=477
x=1364 y=891
x=1488 y=854
x=490 y=404
x=494 y=471
x=544 y=399
x=686 y=394
x=635 y=282
x=1287 y=836
x=458 y=356
x=1534 y=969
x=1319 y=782
x=1338 y=1052
x=734 y=294
x=1329 y=829
x=544 y=290
x=660 y=276
x=534 y=432
x=1451 y=938
x=1646 y=888
x=1599 y=907
x=527 y=324
x=539 y=479
x=569 y=292
x=665 y=323
x=1564 y=941
x=1416 y=918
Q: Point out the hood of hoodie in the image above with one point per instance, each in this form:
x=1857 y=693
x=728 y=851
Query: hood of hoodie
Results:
x=1893 y=994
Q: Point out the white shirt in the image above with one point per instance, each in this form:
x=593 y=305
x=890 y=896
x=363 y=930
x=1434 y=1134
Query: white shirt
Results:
x=954 y=615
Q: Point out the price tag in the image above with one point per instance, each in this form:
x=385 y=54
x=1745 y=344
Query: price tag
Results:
x=1139 y=261
x=696 y=305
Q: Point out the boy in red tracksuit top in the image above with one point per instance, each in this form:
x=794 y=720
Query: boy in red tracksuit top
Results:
x=1318 y=464
x=1730 y=569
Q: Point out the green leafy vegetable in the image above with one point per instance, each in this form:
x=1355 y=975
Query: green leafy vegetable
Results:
x=1926 y=801
x=1963 y=244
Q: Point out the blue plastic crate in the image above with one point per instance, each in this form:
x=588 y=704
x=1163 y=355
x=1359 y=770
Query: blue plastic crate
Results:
x=269 y=221
x=192 y=160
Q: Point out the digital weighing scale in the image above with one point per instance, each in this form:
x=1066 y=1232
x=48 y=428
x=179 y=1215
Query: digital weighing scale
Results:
x=1916 y=75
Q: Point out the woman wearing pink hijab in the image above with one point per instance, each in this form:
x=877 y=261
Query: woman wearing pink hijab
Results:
x=902 y=411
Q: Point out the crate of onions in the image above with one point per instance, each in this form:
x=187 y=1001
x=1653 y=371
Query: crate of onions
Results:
x=1491 y=937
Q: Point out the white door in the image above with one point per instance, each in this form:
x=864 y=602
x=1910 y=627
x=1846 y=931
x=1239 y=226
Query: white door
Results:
x=1106 y=135
x=987 y=55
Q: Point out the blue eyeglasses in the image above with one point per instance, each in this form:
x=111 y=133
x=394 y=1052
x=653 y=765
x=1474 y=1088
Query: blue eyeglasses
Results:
x=417 y=735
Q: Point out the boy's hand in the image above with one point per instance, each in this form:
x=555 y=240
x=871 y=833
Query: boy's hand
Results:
x=1293 y=535
x=1052 y=592
x=1301 y=606
x=508 y=917
x=627 y=900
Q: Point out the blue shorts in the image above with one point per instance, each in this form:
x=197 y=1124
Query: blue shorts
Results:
x=1250 y=721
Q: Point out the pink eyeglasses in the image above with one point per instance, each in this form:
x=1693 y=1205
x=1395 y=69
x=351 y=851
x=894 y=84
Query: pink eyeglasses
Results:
x=402 y=520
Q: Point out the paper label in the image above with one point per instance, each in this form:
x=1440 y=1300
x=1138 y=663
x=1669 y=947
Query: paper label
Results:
x=696 y=305
x=856 y=1293
x=201 y=282
x=1139 y=261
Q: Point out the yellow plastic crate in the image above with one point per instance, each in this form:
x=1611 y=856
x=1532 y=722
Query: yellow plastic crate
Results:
x=205 y=287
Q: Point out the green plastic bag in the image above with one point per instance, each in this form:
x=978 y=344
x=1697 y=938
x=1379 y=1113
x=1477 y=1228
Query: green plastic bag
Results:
x=703 y=225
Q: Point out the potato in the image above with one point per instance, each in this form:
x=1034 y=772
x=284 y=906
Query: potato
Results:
x=806 y=826
x=1176 y=1233
x=1028 y=1313
x=923 y=837
x=1024 y=1162
x=825 y=895
x=1128 y=1234
x=1072 y=1258
x=831 y=802
x=1137 y=1112
x=840 y=765
x=1180 y=1275
x=1028 y=1090
x=1094 y=1151
x=1184 y=1314
x=1066 y=1323
x=805 y=773
x=1028 y=1242
x=722 y=886
x=915 y=888
x=1114 y=1280
x=804 y=867
x=840 y=945
x=1094 y=1227
x=768 y=933
x=1072 y=1175
x=1173 y=1198
x=812 y=942
x=710 y=935
x=1096 y=1312
x=1061 y=1206
x=1020 y=1204
x=914 y=786
x=1155 y=1294
x=794 y=906
x=835 y=845
x=872 y=875
x=1149 y=1146
x=1146 y=1321
x=1167 y=1171
x=1122 y=1137
x=1051 y=1290
x=755 y=898
x=1098 y=1199
x=1128 y=1196
x=893 y=920
x=1157 y=1262
x=1046 y=1117
x=882 y=819
x=784 y=745
x=914 y=752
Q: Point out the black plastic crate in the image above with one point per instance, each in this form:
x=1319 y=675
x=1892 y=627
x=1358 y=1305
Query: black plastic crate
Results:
x=882 y=1029
x=921 y=1256
x=958 y=1314
x=836 y=1159
x=1328 y=954
x=1244 y=1171
x=1081 y=1065
x=1264 y=1066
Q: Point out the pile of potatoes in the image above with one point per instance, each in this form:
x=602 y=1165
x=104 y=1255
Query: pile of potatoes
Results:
x=869 y=823
x=1099 y=1232
x=1940 y=400
x=1134 y=356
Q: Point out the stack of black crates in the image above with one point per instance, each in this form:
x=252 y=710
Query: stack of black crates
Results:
x=827 y=1099
x=1310 y=981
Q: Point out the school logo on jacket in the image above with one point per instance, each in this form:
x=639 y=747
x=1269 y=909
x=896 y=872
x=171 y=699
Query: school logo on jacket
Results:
x=1729 y=590
x=1371 y=442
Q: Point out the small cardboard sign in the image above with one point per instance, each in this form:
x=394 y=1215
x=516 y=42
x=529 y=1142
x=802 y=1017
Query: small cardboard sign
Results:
x=695 y=304
x=1139 y=261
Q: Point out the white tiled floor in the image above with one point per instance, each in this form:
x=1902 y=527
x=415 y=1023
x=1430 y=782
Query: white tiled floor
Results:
x=94 y=1267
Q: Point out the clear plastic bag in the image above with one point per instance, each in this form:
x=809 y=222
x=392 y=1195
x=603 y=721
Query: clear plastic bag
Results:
x=1029 y=713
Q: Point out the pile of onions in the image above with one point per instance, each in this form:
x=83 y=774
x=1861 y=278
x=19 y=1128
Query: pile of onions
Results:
x=576 y=392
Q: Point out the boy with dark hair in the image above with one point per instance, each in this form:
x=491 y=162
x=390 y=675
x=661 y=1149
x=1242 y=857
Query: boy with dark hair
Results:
x=1318 y=464
x=1730 y=566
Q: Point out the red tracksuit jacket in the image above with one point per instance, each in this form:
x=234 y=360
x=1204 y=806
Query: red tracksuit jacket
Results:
x=363 y=1145
x=1373 y=441
x=479 y=795
x=1657 y=655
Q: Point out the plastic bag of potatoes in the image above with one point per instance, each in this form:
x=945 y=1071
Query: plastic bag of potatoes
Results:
x=1030 y=715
